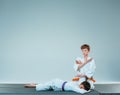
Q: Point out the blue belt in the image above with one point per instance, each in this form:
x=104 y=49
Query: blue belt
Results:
x=63 y=85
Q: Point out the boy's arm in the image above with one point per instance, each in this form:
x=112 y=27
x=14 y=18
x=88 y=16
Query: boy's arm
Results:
x=91 y=69
x=82 y=64
x=90 y=72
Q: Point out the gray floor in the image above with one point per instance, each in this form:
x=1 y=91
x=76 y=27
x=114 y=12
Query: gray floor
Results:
x=108 y=88
x=14 y=89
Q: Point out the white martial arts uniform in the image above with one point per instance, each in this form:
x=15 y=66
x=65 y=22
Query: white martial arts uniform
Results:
x=57 y=84
x=87 y=70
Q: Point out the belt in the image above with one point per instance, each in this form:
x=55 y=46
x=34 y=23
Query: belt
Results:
x=63 y=85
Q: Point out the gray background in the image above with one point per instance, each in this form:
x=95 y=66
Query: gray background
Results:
x=40 y=39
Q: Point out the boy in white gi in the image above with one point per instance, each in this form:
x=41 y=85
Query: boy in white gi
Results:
x=85 y=67
x=60 y=85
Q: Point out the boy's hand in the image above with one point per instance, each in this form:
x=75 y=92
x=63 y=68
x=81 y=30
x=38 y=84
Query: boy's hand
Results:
x=78 y=62
x=89 y=60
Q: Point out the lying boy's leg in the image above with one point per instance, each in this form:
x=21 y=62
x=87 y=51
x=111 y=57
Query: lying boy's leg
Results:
x=45 y=86
x=39 y=87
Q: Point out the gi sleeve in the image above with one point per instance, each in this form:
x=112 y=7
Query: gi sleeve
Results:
x=91 y=69
x=76 y=65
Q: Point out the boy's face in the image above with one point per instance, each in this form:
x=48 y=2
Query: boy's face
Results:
x=85 y=51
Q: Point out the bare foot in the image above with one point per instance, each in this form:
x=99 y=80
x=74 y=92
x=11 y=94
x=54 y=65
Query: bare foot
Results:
x=32 y=85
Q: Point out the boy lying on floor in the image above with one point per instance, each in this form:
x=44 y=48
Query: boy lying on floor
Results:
x=60 y=85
